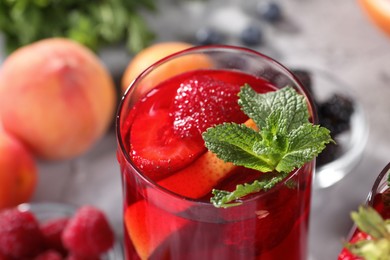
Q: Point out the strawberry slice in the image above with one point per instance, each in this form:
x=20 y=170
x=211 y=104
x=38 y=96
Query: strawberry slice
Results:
x=194 y=181
x=202 y=101
x=155 y=148
x=148 y=227
x=202 y=175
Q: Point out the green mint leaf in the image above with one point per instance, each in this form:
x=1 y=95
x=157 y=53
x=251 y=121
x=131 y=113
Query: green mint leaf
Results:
x=234 y=143
x=286 y=140
x=371 y=250
x=224 y=199
x=305 y=143
x=377 y=246
x=291 y=106
x=370 y=222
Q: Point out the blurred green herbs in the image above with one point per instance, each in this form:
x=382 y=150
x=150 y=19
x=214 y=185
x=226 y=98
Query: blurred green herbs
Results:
x=94 y=23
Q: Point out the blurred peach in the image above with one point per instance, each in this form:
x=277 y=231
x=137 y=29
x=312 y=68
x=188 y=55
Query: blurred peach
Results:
x=154 y=53
x=18 y=171
x=57 y=97
x=378 y=12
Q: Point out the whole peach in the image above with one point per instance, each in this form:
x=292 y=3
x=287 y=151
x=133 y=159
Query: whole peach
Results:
x=18 y=171
x=57 y=97
x=154 y=53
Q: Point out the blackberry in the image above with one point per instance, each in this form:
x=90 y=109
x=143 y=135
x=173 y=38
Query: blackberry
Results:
x=252 y=35
x=335 y=114
x=330 y=153
x=335 y=127
x=337 y=107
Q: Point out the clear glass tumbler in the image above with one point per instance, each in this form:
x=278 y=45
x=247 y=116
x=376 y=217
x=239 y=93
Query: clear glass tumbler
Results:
x=163 y=224
x=379 y=196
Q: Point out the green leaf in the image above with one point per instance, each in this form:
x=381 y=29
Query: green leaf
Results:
x=293 y=107
x=99 y=23
x=234 y=143
x=286 y=140
x=223 y=199
x=371 y=250
x=377 y=245
x=138 y=34
x=370 y=222
x=305 y=143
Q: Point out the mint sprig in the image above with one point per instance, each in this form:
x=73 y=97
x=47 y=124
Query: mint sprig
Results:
x=377 y=247
x=224 y=198
x=286 y=139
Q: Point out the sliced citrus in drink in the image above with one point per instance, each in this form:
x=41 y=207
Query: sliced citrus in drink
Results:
x=143 y=219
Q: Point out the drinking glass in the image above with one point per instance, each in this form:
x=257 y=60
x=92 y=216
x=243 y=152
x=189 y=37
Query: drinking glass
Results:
x=379 y=196
x=379 y=199
x=161 y=224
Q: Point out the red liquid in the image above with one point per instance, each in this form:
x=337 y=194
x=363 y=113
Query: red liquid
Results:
x=158 y=225
x=380 y=207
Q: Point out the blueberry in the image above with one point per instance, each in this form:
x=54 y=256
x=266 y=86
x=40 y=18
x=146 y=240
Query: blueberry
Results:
x=270 y=12
x=207 y=36
x=252 y=35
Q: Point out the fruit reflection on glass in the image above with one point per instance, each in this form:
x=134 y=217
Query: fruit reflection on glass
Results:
x=378 y=12
x=217 y=162
x=370 y=237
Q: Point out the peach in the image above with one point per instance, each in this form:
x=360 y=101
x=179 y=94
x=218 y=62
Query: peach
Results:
x=18 y=171
x=57 y=97
x=154 y=53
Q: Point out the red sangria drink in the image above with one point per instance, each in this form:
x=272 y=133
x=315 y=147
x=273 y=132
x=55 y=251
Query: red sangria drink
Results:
x=379 y=196
x=217 y=162
x=365 y=242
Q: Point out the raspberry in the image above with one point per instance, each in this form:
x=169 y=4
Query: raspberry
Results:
x=49 y=255
x=20 y=234
x=88 y=233
x=52 y=232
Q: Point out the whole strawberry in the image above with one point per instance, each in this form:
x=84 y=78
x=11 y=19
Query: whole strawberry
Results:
x=372 y=240
x=345 y=254
x=202 y=102
x=20 y=236
x=88 y=233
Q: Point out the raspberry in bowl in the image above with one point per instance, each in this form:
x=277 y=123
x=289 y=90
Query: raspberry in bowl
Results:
x=56 y=231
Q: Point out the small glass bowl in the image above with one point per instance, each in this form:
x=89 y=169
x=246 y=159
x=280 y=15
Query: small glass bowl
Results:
x=45 y=211
x=351 y=142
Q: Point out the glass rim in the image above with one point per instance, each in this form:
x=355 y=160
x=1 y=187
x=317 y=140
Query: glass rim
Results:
x=195 y=50
x=375 y=186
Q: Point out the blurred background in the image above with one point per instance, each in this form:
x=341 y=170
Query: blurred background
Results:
x=347 y=41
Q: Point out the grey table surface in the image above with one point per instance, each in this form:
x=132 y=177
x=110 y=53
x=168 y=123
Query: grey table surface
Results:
x=332 y=35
